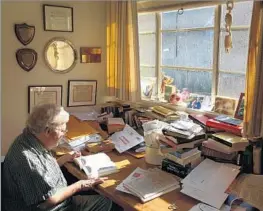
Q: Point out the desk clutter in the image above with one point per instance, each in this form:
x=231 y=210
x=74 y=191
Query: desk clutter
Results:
x=207 y=153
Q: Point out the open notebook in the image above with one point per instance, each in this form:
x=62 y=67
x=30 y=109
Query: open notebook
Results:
x=96 y=165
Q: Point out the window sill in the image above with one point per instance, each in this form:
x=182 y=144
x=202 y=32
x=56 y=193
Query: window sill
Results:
x=176 y=107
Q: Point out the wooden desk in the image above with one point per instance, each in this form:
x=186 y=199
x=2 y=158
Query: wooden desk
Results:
x=127 y=164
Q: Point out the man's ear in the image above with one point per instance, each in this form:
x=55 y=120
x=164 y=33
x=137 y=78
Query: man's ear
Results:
x=47 y=131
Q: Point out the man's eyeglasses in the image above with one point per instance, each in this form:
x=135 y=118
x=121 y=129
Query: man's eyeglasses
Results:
x=62 y=130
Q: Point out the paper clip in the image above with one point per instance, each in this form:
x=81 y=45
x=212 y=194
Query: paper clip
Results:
x=172 y=206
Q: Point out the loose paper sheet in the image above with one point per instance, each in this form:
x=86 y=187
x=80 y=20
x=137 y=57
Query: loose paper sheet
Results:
x=126 y=139
x=210 y=175
x=209 y=181
x=215 y=199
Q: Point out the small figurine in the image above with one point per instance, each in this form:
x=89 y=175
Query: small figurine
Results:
x=166 y=80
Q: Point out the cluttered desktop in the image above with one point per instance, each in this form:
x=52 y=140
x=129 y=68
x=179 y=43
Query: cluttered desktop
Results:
x=160 y=159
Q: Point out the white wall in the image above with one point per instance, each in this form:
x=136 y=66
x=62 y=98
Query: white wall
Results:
x=89 y=30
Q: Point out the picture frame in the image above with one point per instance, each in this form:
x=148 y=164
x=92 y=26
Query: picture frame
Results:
x=41 y=94
x=90 y=54
x=239 y=114
x=58 y=18
x=225 y=105
x=82 y=93
x=148 y=86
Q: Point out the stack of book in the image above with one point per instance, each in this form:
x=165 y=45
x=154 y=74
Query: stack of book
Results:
x=148 y=184
x=224 y=147
x=163 y=114
x=115 y=125
x=202 y=119
x=181 y=162
x=227 y=124
x=183 y=134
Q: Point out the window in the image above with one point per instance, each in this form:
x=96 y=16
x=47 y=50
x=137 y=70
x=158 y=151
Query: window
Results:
x=180 y=49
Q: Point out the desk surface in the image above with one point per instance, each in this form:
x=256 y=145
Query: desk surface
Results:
x=127 y=164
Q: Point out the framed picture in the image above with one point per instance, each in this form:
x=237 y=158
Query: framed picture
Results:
x=58 y=18
x=44 y=94
x=82 y=92
x=225 y=105
x=148 y=85
x=239 y=114
x=90 y=54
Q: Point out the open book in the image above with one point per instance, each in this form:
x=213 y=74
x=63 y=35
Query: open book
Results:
x=96 y=165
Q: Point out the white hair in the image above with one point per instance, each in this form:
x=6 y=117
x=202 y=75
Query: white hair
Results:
x=46 y=116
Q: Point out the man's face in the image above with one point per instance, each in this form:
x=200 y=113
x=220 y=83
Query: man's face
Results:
x=56 y=135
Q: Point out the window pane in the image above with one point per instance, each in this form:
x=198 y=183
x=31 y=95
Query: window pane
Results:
x=147 y=44
x=147 y=22
x=231 y=85
x=189 y=49
x=197 y=82
x=201 y=17
x=241 y=14
x=147 y=71
x=236 y=59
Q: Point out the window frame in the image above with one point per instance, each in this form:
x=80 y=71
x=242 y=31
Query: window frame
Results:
x=217 y=29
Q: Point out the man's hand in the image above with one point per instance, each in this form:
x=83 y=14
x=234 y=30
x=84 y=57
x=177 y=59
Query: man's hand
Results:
x=69 y=157
x=90 y=183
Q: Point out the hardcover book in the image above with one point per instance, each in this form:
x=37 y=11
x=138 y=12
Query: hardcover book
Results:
x=174 y=168
x=230 y=140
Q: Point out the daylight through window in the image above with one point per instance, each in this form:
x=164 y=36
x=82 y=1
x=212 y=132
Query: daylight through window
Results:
x=182 y=54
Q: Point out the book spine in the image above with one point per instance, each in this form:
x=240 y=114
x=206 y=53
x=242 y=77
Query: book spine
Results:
x=174 y=168
x=222 y=141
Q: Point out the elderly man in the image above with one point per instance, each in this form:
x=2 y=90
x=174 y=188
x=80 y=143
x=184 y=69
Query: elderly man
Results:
x=32 y=177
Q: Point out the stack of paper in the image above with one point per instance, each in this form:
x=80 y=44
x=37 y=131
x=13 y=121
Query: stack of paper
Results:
x=96 y=165
x=79 y=133
x=115 y=125
x=209 y=181
x=148 y=184
x=78 y=129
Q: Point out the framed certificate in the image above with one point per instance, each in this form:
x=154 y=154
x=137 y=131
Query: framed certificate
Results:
x=44 y=94
x=82 y=92
x=58 y=18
